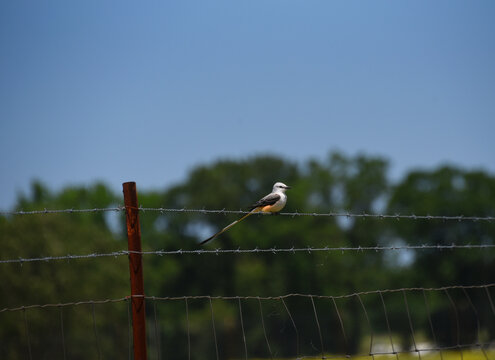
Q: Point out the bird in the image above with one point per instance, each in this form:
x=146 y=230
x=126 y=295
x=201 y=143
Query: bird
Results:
x=271 y=203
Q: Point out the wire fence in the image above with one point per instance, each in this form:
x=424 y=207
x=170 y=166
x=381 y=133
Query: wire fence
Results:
x=328 y=324
x=272 y=326
x=280 y=324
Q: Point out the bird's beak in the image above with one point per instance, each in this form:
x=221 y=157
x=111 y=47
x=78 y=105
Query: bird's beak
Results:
x=288 y=187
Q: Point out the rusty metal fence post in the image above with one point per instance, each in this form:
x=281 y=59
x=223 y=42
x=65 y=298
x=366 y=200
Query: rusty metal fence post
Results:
x=136 y=270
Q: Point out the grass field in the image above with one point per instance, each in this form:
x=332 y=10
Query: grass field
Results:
x=446 y=355
x=426 y=355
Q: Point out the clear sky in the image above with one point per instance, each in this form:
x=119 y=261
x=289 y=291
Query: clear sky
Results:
x=144 y=91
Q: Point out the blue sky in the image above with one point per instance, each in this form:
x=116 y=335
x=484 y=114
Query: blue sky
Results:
x=125 y=91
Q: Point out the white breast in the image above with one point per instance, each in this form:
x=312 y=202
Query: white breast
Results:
x=279 y=205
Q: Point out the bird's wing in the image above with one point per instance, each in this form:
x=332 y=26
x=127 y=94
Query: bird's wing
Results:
x=270 y=199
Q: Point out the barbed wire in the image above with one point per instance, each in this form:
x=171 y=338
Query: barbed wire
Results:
x=243 y=212
x=62 y=211
x=65 y=257
x=273 y=250
x=331 y=214
x=317 y=249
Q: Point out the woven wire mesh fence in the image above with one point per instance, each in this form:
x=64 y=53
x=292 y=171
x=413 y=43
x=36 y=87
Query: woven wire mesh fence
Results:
x=419 y=322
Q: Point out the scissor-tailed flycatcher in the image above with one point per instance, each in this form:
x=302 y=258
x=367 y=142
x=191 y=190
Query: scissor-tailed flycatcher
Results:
x=273 y=203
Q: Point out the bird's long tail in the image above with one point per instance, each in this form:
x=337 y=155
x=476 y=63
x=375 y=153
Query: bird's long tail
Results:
x=229 y=226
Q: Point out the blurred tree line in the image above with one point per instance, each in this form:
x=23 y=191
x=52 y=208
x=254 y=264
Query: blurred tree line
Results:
x=339 y=183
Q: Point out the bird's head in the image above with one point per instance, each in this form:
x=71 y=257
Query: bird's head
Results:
x=279 y=186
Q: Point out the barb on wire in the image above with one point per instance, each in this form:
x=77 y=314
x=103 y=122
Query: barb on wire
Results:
x=242 y=212
x=273 y=250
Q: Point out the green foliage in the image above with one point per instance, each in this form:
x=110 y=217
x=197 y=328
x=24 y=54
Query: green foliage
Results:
x=61 y=281
x=338 y=183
